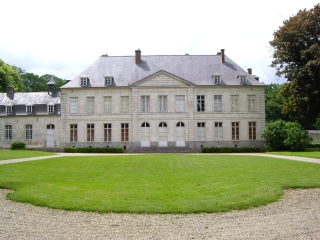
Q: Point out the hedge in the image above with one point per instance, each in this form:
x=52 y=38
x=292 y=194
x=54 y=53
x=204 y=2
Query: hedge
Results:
x=17 y=145
x=229 y=149
x=93 y=150
x=314 y=145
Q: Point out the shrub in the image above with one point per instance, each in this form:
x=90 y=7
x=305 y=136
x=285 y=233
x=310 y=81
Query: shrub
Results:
x=280 y=135
x=93 y=150
x=229 y=149
x=17 y=145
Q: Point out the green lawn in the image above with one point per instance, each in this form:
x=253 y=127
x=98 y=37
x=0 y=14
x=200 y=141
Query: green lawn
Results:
x=13 y=154
x=310 y=153
x=156 y=183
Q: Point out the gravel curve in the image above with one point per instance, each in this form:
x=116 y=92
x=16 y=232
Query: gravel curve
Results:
x=295 y=216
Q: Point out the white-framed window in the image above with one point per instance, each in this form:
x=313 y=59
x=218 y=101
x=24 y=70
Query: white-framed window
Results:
x=163 y=103
x=180 y=132
x=107 y=104
x=145 y=131
x=252 y=131
x=8 y=109
x=145 y=103
x=243 y=79
x=50 y=126
x=124 y=104
x=163 y=132
x=108 y=80
x=50 y=108
x=73 y=105
x=107 y=132
x=28 y=109
x=73 y=132
x=235 y=130
x=201 y=131
x=251 y=103
x=28 y=132
x=180 y=103
x=90 y=105
x=83 y=81
x=218 y=131
x=234 y=103
x=124 y=132
x=8 y=129
x=200 y=103
x=90 y=132
x=218 y=103
x=217 y=79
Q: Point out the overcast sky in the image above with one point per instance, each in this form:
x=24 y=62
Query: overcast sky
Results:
x=64 y=37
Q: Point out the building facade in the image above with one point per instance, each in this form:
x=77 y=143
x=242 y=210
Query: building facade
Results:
x=159 y=103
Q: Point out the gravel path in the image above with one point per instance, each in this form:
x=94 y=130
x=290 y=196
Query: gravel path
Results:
x=295 y=216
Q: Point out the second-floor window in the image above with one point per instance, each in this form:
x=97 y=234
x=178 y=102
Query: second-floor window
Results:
x=200 y=104
x=163 y=104
x=145 y=103
x=107 y=104
x=234 y=103
x=124 y=104
x=251 y=103
x=180 y=103
x=73 y=105
x=90 y=105
x=217 y=103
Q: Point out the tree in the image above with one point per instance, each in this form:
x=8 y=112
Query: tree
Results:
x=281 y=135
x=34 y=83
x=9 y=76
x=297 y=58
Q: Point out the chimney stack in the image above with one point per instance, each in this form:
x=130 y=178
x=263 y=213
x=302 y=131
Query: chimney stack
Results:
x=222 y=56
x=10 y=92
x=249 y=71
x=138 y=56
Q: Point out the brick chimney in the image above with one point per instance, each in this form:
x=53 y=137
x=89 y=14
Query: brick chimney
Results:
x=249 y=71
x=138 y=56
x=10 y=92
x=222 y=56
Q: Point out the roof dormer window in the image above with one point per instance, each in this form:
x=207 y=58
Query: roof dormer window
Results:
x=28 y=109
x=50 y=108
x=8 y=109
x=108 y=81
x=84 y=81
x=217 y=79
x=243 y=79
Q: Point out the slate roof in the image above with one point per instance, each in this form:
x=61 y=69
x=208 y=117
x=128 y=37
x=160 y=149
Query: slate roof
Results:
x=196 y=69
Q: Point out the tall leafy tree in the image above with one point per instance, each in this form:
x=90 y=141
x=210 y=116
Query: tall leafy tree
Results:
x=9 y=76
x=297 y=58
x=33 y=82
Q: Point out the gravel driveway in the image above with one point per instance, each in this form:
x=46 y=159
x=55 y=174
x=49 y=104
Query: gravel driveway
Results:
x=295 y=216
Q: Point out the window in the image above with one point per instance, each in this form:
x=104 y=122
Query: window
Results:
x=145 y=103
x=218 y=131
x=200 y=104
x=124 y=104
x=251 y=103
x=180 y=133
x=180 y=103
x=50 y=108
x=29 y=109
x=163 y=135
x=73 y=105
x=107 y=104
x=243 y=79
x=50 y=126
x=252 y=130
x=90 y=132
x=107 y=132
x=235 y=130
x=28 y=132
x=163 y=104
x=73 y=133
x=217 y=79
x=8 y=109
x=108 y=80
x=84 y=81
x=145 y=131
x=124 y=132
x=8 y=132
x=218 y=103
x=234 y=103
x=201 y=131
x=90 y=105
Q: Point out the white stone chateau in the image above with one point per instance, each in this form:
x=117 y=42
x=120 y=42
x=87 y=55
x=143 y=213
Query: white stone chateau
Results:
x=173 y=103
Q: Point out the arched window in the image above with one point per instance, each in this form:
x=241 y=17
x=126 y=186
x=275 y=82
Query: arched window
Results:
x=180 y=134
x=180 y=124
x=145 y=132
x=145 y=124
x=163 y=135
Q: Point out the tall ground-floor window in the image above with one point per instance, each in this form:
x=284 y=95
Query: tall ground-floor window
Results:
x=201 y=131
x=252 y=131
x=124 y=132
x=235 y=130
x=163 y=135
x=28 y=132
x=8 y=132
x=180 y=132
x=107 y=132
x=90 y=132
x=145 y=131
x=73 y=133
x=218 y=131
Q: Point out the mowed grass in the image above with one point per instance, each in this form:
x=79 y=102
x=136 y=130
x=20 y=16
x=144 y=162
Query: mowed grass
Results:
x=310 y=153
x=15 y=154
x=156 y=183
